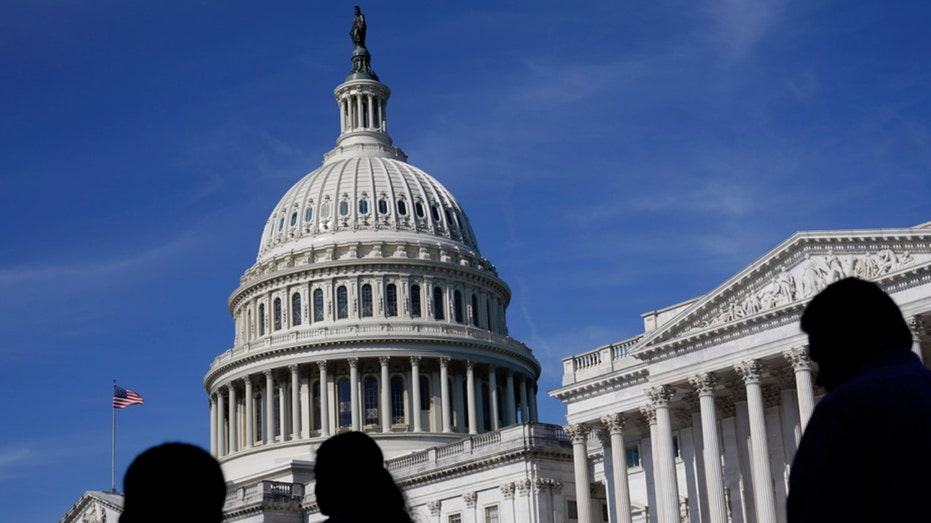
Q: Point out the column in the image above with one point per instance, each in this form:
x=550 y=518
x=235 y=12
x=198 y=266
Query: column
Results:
x=614 y=424
x=444 y=394
x=668 y=491
x=917 y=326
x=648 y=412
x=371 y=111
x=385 y=391
x=359 y=117
x=250 y=423
x=532 y=393
x=711 y=458
x=221 y=422
x=493 y=397
x=801 y=364
x=583 y=494
x=213 y=427
x=354 y=392
x=522 y=389
x=751 y=372
x=324 y=401
x=415 y=392
x=234 y=422
x=510 y=414
x=268 y=435
x=295 y=402
x=470 y=391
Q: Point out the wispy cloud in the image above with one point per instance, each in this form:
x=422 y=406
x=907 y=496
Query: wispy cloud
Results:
x=740 y=24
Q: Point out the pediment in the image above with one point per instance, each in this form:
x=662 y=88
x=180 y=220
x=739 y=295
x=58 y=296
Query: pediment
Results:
x=789 y=275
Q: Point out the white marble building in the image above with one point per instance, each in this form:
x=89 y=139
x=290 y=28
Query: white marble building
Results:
x=698 y=418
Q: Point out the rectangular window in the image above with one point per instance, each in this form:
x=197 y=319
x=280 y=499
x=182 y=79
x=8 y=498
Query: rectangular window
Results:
x=675 y=447
x=455 y=518
x=572 y=510
x=633 y=456
x=491 y=514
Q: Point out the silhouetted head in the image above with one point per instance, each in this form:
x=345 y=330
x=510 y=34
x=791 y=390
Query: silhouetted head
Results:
x=350 y=465
x=173 y=482
x=848 y=322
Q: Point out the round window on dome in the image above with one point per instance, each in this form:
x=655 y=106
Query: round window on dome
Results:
x=418 y=208
x=402 y=207
x=363 y=206
x=435 y=211
x=309 y=213
x=344 y=208
x=293 y=218
x=382 y=206
x=325 y=210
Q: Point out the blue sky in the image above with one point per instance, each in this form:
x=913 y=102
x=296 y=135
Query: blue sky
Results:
x=613 y=157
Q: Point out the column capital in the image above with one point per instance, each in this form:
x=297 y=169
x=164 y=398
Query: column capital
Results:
x=751 y=371
x=353 y=362
x=601 y=432
x=321 y=364
x=798 y=358
x=444 y=362
x=383 y=360
x=415 y=361
x=917 y=325
x=268 y=374
x=661 y=395
x=470 y=498
x=649 y=414
x=507 y=490
x=614 y=423
x=577 y=432
x=704 y=383
x=434 y=507
x=470 y=365
x=292 y=367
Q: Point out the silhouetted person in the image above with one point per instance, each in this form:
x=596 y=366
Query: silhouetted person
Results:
x=173 y=482
x=866 y=452
x=352 y=484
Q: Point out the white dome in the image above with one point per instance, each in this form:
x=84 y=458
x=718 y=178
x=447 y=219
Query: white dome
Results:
x=365 y=197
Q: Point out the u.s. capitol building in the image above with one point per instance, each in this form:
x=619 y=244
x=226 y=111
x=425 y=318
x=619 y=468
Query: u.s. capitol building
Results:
x=371 y=308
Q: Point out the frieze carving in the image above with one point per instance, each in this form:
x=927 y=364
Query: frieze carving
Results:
x=507 y=490
x=524 y=486
x=434 y=507
x=541 y=484
x=94 y=514
x=806 y=280
x=470 y=498
x=917 y=326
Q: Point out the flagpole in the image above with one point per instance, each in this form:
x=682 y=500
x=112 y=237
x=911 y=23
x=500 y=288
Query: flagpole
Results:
x=113 y=450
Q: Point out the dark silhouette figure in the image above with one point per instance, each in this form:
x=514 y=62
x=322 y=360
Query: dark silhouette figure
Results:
x=352 y=484
x=173 y=482
x=357 y=31
x=866 y=452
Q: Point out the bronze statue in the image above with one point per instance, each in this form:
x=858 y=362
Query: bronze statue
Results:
x=357 y=32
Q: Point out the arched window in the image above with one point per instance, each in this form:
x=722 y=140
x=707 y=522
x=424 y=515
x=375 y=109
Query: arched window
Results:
x=391 y=300
x=276 y=406
x=457 y=306
x=415 y=301
x=309 y=213
x=438 y=303
x=258 y=424
x=342 y=302
x=344 y=208
x=277 y=314
x=295 y=309
x=363 y=206
x=325 y=210
x=418 y=207
x=293 y=218
x=435 y=211
x=250 y=328
x=475 y=310
x=318 y=305
x=261 y=319
x=345 y=403
x=365 y=310
x=382 y=206
x=402 y=207
x=370 y=393
x=397 y=400
x=488 y=324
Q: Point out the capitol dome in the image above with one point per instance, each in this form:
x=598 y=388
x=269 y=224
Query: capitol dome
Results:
x=369 y=308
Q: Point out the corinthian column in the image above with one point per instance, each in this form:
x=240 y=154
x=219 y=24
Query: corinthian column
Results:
x=714 y=478
x=614 y=424
x=798 y=357
x=324 y=401
x=668 y=491
x=234 y=421
x=250 y=423
x=751 y=371
x=385 y=395
x=917 y=326
x=295 y=402
x=470 y=393
x=415 y=392
x=269 y=397
x=583 y=494
x=444 y=394
x=354 y=392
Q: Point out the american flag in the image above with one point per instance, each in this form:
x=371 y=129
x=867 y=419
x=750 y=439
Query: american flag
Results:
x=124 y=398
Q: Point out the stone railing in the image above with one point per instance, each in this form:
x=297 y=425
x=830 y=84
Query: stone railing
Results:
x=596 y=362
x=353 y=331
x=515 y=437
x=264 y=491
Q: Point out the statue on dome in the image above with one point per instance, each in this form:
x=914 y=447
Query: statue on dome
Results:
x=357 y=32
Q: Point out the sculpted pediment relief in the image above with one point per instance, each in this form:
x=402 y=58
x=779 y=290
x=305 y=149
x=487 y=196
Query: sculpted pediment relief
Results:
x=795 y=271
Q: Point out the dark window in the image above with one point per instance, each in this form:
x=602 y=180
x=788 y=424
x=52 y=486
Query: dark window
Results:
x=277 y=313
x=316 y=405
x=293 y=218
x=261 y=319
x=366 y=309
x=397 y=400
x=475 y=310
x=318 y=305
x=382 y=206
x=363 y=206
x=344 y=208
x=488 y=315
x=345 y=403
x=309 y=213
x=391 y=300
x=370 y=392
x=415 y=301
x=457 y=306
x=633 y=456
x=418 y=208
x=342 y=302
x=435 y=211
x=438 y=303
x=402 y=207
x=296 y=309
x=424 y=393
x=281 y=224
